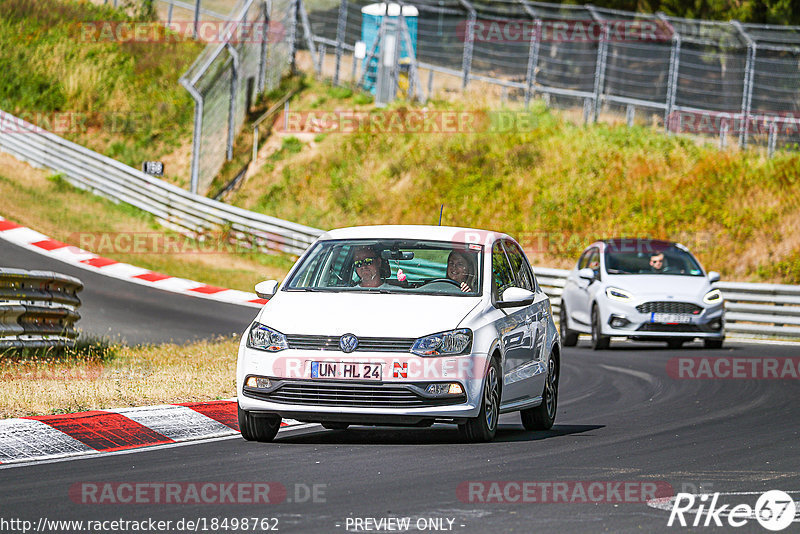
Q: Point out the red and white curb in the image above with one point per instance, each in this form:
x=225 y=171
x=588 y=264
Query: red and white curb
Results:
x=49 y=437
x=40 y=243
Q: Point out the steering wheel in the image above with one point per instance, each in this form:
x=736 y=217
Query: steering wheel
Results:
x=448 y=280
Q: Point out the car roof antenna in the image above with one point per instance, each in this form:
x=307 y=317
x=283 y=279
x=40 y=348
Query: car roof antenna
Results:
x=441 y=210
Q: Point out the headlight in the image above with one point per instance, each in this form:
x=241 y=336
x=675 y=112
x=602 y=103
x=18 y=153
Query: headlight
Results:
x=264 y=338
x=615 y=293
x=444 y=344
x=713 y=297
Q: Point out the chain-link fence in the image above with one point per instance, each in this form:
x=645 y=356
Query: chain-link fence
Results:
x=739 y=82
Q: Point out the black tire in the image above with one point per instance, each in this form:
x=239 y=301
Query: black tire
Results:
x=543 y=416
x=484 y=427
x=599 y=341
x=335 y=426
x=262 y=429
x=675 y=343
x=569 y=338
x=713 y=343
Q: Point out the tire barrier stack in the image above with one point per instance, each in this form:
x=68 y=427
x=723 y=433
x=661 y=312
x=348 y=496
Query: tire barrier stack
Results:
x=38 y=309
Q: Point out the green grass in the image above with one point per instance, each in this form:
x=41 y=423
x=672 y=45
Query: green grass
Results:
x=556 y=186
x=125 y=96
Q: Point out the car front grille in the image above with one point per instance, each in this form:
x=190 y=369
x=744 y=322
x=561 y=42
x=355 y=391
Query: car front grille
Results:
x=669 y=307
x=365 y=344
x=656 y=327
x=349 y=395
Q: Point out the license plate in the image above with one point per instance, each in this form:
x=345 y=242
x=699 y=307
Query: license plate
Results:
x=670 y=318
x=347 y=371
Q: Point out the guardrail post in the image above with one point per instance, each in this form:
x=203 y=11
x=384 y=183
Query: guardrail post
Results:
x=674 y=66
x=466 y=61
x=773 y=134
x=341 y=27
x=169 y=13
x=293 y=36
x=747 y=86
x=630 y=115
x=723 y=135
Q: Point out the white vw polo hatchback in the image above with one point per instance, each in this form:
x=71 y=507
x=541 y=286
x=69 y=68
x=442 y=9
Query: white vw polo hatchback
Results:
x=401 y=325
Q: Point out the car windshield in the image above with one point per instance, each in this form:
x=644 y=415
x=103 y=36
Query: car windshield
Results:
x=391 y=266
x=670 y=260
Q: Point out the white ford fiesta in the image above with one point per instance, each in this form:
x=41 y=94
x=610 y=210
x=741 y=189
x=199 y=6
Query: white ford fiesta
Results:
x=642 y=289
x=401 y=325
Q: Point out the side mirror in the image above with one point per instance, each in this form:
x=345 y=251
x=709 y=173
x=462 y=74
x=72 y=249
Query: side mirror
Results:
x=266 y=289
x=514 y=297
x=587 y=274
x=713 y=276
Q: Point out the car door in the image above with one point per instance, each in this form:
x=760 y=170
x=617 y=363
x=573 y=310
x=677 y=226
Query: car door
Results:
x=528 y=376
x=582 y=297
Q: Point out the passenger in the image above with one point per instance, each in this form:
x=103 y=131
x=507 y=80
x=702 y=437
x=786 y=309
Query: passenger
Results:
x=461 y=269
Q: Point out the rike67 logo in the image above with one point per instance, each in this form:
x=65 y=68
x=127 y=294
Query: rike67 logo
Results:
x=774 y=510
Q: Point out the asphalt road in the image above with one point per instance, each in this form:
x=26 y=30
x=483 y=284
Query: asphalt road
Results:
x=132 y=313
x=621 y=418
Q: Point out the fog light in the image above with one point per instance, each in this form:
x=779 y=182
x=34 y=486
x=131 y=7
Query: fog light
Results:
x=258 y=382
x=716 y=324
x=444 y=389
x=618 y=321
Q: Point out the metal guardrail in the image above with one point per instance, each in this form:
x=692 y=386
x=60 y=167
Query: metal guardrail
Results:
x=175 y=207
x=761 y=309
x=38 y=309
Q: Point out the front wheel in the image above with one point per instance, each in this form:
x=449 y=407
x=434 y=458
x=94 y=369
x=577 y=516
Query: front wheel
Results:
x=599 y=341
x=261 y=429
x=543 y=416
x=484 y=427
x=569 y=338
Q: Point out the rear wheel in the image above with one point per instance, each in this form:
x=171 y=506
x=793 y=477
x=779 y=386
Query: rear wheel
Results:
x=261 y=429
x=599 y=341
x=569 y=338
x=484 y=427
x=543 y=416
x=713 y=343
x=675 y=343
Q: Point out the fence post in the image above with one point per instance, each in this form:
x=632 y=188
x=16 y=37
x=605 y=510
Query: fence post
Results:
x=723 y=135
x=307 y=30
x=773 y=134
x=747 y=86
x=341 y=27
x=630 y=115
x=466 y=62
x=674 y=66
x=266 y=8
x=232 y=104
x=196 y=17
x=533 y=52
x=293 y=36
x=196 y=134
x=169 y=13
x=600 y=62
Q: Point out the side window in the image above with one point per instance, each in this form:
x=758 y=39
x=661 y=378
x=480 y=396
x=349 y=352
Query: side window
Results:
x=519 y=265
x=502 y=275
x=594 y=260
x=584 y=261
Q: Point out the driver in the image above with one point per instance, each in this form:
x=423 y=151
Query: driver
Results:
x=461 y=269
x=367 y=263
x=657 y=262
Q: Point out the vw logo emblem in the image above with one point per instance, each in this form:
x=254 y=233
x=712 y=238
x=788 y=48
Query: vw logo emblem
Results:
x=348 y=343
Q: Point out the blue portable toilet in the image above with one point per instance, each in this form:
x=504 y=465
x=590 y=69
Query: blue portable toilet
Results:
x=371 y=20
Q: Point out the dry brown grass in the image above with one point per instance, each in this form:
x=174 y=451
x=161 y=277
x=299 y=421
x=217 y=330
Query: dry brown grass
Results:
x=137 y=376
